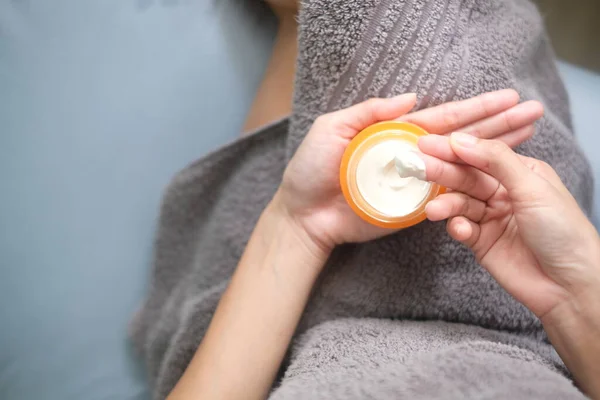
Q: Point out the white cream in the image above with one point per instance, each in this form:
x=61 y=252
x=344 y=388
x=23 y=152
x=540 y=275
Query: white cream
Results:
x=410 y=165
x=390 y=177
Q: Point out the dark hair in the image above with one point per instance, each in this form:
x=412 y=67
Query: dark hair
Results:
x=254 y=5
x=258 y=8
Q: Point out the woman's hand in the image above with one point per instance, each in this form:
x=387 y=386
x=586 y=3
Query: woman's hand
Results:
x=310 y=192
x=528 y=231
x=516 y=215
x=239 y=357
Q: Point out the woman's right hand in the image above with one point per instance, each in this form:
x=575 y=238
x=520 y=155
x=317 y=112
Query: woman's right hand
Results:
x=516 y=215
x=528 y=231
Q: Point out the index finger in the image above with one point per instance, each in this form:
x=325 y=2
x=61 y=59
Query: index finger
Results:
x=354 y=119
x=440 y=147
x=494 y=158
x=453 y=116
x=460 y=178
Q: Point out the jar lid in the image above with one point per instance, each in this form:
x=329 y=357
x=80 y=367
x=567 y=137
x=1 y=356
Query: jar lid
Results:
x=366 y=140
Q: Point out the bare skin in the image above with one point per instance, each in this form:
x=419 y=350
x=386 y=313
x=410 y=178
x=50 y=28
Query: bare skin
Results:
x=273 y=99
x=239 y=358
x=527 y=230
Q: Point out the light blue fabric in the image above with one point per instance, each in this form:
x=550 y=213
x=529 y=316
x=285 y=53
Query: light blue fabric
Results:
x=584 y=90
x=101 y=102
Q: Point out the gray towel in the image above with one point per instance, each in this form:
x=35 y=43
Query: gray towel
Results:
x=351 y=50
x=378 y=359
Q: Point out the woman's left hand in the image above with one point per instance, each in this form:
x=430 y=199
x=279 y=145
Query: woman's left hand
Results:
x=239 y=358
x=310 y=192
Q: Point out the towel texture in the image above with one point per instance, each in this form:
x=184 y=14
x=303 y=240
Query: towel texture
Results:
x=378 y=359
x=351 y=50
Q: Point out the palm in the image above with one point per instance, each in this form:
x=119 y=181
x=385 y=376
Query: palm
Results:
x=315 y=171
x=518 y=238
x=503 y=251
x=348 y=226
x=311 y=187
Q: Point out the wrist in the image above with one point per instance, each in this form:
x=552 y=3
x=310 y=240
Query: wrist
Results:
x=573 y=328
x=582 y=285
x=312 y=246
x=580 y=311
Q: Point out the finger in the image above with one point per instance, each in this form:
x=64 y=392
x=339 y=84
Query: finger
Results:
x=544 y=170
x=516 y=137
x=361 y=115
x=439 y=146
x=507 y=122
x=453 y=116
x=460 y=178
x=464 y=230
x=494 y=158
x=455 y=204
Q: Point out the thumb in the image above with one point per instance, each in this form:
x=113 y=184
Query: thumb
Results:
x=494 y=158
x=361 y=115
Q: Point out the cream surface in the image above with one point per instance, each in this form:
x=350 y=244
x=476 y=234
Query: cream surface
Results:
x=389 y=177
x=410 y=165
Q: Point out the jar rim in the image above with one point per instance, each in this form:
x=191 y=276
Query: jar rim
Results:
x=365 y=140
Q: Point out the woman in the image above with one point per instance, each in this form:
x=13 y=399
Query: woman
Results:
x=348 y=52
x=518 y=218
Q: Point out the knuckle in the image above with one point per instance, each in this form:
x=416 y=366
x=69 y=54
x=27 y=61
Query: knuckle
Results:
x=497 y=149
x=530 y=163
x=324 y=120
x=371 y=105
x=372 y=102
x=475 y=131
x=450 y=117
x=538 y=166
x=544 y=166
x=436 y=170
x=465 y=204
x=485 y=103
x=469 y=182
x=508 y=121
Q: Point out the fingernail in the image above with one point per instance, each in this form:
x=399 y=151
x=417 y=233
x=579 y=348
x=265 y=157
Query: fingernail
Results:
x=428 y=207
x=460 y=229
x=464 y=139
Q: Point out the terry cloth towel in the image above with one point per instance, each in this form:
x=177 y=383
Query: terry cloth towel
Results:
x=351 y=50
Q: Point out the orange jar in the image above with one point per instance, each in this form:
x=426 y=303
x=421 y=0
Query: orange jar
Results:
x=372 y=186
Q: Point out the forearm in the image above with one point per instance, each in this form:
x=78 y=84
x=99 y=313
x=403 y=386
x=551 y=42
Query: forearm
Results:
x=574 y=330
x=257 y=315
